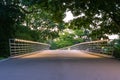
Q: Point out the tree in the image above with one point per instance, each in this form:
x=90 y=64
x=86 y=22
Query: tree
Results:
x=102 y=15
x=12 y=13
x=24 y=32
x=42 y=23
x=67 y=37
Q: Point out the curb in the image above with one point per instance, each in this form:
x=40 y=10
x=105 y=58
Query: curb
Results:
x=2 y=60
x=101 y=55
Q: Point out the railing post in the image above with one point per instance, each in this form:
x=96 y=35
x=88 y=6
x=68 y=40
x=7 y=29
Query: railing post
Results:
x=10 y=46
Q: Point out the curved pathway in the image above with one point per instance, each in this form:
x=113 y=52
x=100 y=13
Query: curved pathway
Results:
x=60 y=65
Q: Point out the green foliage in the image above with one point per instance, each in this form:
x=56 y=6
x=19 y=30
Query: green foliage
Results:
x=66 y=38
x=24 y=32
x=41 y=22
x=100 y=15
x=1 y=58
x=116 y=45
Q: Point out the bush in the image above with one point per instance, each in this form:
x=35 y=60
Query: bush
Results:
x=116 y=51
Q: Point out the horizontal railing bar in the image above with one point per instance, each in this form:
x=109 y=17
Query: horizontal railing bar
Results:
x=27 y=41
x=83 y=43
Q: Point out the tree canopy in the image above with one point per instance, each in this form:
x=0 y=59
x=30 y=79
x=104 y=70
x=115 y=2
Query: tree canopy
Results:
x=67 y=37
x=99 y=16
x=45 y=17
x=102 y=15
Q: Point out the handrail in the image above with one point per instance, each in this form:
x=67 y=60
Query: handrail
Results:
x=93 y=42
x=100 y=46
x=19 y=46
x=86 y=43
x=27 y=41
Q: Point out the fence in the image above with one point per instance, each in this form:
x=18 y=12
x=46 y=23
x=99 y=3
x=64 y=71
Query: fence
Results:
x=18 y=46
x=101 y=46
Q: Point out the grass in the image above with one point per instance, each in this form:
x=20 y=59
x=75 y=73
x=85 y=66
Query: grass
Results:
x=2 y=58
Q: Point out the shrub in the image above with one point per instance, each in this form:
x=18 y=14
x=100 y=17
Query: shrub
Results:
x=116 y=51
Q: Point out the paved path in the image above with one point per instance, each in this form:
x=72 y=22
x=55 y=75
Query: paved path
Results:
x=60 y=65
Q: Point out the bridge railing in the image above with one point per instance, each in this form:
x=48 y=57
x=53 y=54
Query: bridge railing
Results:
x=100 y=46
x=19 y=46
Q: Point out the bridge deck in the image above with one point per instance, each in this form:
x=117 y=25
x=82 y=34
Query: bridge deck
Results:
x=60 y=65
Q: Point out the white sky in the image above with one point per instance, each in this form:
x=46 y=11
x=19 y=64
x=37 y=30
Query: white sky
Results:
x=113 y=36
x=69 y=16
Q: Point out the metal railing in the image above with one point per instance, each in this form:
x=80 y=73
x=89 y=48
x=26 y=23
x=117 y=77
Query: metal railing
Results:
x=100 y=46
x=19 y=46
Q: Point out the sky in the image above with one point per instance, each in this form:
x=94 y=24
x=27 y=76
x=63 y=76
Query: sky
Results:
x=113 y=36
x=69 y=16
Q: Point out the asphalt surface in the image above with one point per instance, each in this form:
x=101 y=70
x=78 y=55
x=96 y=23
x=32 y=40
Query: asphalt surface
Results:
x=60 y=65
